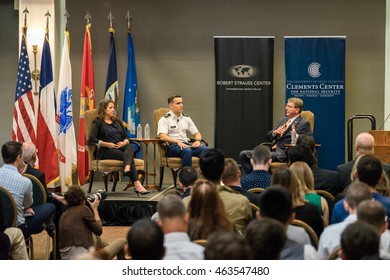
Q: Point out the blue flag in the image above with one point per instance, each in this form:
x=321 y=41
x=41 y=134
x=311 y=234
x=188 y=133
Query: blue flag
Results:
x=130 y=105
x=111 y=92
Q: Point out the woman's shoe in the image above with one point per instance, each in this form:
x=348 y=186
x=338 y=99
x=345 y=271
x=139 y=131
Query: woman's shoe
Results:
x=141 y=193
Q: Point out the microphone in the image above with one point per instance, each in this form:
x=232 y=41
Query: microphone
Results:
x=384 y=122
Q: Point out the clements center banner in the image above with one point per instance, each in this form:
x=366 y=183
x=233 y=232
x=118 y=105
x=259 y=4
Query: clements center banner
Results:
x=244 y=92
x=315 y=72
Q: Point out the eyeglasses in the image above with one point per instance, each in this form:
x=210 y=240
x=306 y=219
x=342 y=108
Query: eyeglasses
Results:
x=289 y=106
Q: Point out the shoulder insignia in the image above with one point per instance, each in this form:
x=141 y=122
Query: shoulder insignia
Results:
x=167 y=115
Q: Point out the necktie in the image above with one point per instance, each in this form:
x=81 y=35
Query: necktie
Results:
x=284 y=128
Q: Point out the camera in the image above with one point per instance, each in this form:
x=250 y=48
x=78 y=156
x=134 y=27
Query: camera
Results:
x=100 y=195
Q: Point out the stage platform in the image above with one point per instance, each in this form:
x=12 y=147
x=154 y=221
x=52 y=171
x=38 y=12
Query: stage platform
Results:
x=122 y=208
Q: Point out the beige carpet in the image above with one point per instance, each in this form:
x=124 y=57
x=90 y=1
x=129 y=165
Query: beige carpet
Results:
x=110 y=233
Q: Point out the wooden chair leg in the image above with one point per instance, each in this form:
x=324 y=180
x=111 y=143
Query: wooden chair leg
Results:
x=174 y=175
x=116 y=179
x=91 y=176
x=161 y=176
x=105 y=179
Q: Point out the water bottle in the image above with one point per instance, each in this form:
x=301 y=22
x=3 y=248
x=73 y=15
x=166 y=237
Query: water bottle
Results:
x=293 y=136
x=147 y=131
x=139 y=131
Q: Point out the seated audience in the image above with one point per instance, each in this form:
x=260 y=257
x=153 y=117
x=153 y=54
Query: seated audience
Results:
x=304 y=211
x=330 y=238
x=231 y=178
x=187 y=178
x=226 y=245
x=306 y=179
x=145 y=240
x=359 y=241
x=259 y=177
x=266 y=238
x=204 y=201
x=174 y=223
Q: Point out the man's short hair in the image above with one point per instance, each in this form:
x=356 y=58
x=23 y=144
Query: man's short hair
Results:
x=145 y=240
x=298 y=103
x=369 y=170
x=276 y=203
x=171 y=206
x=10 y=151
x=301 y=153
x=261 y=154
x=231 y=171
x=172 y=97
x=372 y=212
x=360 y=241
x=188 y=176
x=226 y=245
x=356 y=193
x=212 y=164
x=266 y=238
x=306 y=140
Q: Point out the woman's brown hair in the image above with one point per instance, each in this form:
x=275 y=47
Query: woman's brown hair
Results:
x=101 y=110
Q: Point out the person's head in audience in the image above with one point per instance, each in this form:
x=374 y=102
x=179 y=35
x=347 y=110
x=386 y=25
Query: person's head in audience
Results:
x=74 y=196
x=187 y=177
x=266 y=238
x=29 y=153
x=359 y=241
x=374 y=213
x=369 y=170
x=261 y=157
x=12 y=153
x=383 y=186
x=226 y=245
x=356 y=193
x=287 y=178
x=211 y=164
x=173 y=216
x=304 y=174
x=145 y=240
x=276 y=203
x=5 y=247
x=231 y=174
x=364 y=144
x=300 y=153
x=308 y=141
x=207 y=211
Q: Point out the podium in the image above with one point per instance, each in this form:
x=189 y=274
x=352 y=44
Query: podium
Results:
x=382 y=144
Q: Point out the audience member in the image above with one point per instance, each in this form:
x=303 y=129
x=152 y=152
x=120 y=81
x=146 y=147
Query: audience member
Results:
x=212 y=164
x=281 y=134
x=145 y=240
x=207 y=211
x=260 y=164
x=359 y=241
x=231 y=178
x=369 y=171
x=330 y=238
x=115 y=248
x=374 y=213
x=276 y=203
x=173 y=128
x=187 y=178
x=174 y=223
x=305 y=176
x=304 y=211
x=267 y=238
x=29 y=220
x=324 y=179
x=226 y=245
x=78 y=224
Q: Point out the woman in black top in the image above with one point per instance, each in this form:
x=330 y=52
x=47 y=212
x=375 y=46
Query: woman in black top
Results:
x=110 y=137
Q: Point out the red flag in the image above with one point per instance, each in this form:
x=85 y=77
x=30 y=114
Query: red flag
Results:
x=87 y=102
x=24 y=119
x=46 y=126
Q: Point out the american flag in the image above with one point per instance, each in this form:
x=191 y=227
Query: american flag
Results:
x=24 y=120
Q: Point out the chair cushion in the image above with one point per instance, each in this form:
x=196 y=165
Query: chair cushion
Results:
x=139 y=164
x=108 y=165
x=175 y=162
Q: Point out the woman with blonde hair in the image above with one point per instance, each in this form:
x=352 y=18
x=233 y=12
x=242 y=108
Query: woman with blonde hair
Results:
x=304 y=210
x=306 y=178
x=207 y=212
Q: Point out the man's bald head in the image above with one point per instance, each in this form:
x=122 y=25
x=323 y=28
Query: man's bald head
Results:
x=364 y=144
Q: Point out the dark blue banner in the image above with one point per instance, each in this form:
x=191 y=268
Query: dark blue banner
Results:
x=315 y=72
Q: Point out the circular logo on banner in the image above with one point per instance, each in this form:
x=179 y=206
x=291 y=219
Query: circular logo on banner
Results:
x=314 y=69
x=243 y=71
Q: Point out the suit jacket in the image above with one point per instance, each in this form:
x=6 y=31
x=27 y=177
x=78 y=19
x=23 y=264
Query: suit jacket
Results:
x=302 y=127
x=327 y=180
x=99 y=132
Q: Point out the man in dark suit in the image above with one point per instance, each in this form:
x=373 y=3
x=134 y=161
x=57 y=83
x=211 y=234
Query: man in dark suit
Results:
x=281 y=134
